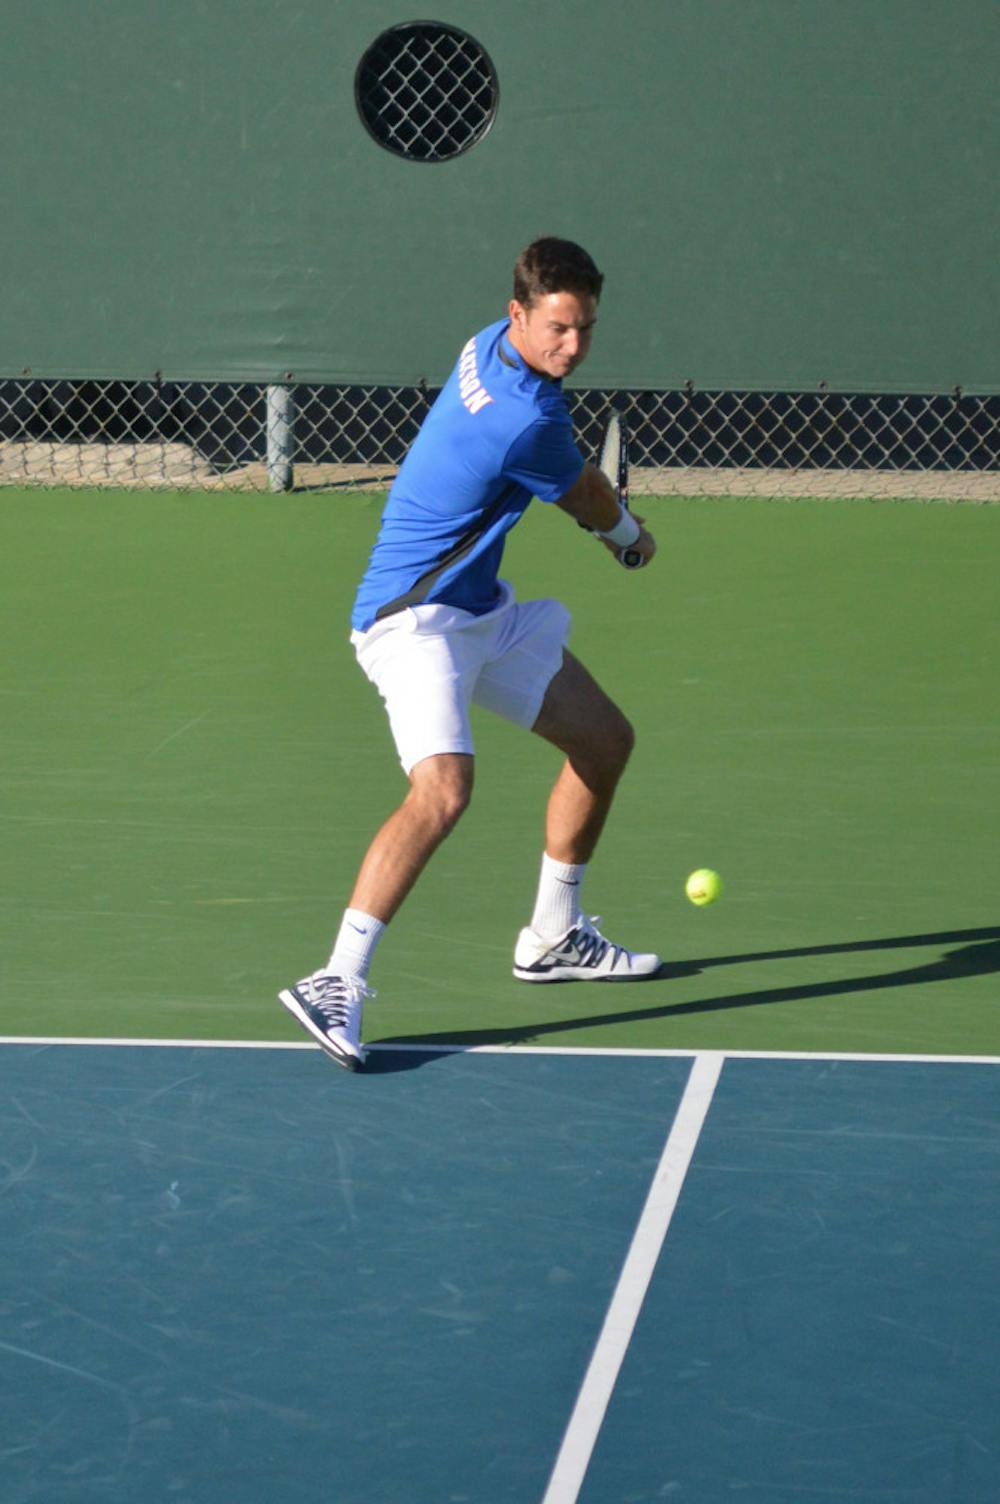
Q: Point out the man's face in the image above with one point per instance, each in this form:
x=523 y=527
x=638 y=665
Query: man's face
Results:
x=554 y=334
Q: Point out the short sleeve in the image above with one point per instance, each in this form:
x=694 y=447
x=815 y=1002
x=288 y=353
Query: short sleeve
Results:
x=545 y=459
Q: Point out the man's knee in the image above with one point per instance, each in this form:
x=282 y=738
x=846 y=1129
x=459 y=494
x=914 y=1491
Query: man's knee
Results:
x=585 y=723
x=624 y=739
x=442 y=787
x=613 y=742
x=601 y=751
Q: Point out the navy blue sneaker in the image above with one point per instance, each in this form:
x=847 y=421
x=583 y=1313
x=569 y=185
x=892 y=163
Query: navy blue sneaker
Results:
x=329 y=1008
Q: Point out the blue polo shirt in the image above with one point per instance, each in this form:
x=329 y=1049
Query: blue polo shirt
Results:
x=497 y=435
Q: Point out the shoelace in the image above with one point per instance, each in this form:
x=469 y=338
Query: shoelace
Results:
x=334 y=997
x=591 y=945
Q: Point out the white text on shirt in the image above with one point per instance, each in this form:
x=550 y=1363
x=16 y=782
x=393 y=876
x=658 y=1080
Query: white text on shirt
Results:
x=471 y=390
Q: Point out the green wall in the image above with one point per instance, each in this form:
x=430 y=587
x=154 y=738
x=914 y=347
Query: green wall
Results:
x=781 y=192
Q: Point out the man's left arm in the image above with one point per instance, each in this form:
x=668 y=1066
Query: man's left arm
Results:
x=546 y=460
x=593 y=502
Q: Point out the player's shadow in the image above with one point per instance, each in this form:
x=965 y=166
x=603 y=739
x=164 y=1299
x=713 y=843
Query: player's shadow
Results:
x=977 y=954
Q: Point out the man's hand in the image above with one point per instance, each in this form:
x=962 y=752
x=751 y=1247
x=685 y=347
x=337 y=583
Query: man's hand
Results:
x=592 y=500
x=645 y=545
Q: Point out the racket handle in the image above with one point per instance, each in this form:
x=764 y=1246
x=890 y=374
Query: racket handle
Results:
x=630 y=558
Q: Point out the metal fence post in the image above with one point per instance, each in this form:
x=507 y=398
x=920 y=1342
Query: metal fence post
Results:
x=280 y=423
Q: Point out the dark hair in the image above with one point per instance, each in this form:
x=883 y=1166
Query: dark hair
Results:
x=549 y=265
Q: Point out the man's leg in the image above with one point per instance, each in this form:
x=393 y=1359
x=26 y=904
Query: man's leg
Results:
x=579 y=718
x=440 y=789
x=329 y=1003
x=560 y=944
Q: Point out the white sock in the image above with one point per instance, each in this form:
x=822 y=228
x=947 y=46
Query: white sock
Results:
x=557 y=906
x=355 y=945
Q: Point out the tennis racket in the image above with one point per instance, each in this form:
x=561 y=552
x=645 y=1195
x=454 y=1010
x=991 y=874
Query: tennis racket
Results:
x=614 y=464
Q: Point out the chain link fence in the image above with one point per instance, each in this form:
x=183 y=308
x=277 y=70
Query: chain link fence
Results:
x=428 y=92
x=224 y=436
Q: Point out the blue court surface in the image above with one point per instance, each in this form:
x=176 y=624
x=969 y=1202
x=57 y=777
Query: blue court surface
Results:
x=474 y=1277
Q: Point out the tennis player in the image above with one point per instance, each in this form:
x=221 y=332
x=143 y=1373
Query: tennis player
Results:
x=436 y=630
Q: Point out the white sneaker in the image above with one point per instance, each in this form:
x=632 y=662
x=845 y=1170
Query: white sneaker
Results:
x=581 y=955
x=329 y=1008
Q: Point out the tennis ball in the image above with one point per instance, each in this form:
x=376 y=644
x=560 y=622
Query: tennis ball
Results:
x=703 y=886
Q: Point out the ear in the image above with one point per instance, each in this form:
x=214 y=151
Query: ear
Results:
x=517 y=312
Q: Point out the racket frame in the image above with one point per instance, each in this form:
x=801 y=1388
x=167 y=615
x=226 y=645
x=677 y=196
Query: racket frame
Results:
x=615 y=467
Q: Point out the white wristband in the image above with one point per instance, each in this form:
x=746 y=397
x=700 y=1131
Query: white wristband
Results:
x=625 y=531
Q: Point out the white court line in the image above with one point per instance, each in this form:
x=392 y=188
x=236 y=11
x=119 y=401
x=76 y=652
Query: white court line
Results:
x=619 y=1323
x=612 y=1052
x=632 y=1052
x=164 y=1044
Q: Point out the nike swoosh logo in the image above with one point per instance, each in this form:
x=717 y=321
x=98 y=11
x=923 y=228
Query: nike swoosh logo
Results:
x=569 y=882
x=570 y=955
x=357 y=928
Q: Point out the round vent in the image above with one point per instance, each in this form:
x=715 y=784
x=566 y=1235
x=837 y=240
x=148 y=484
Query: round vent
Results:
x=425 y=91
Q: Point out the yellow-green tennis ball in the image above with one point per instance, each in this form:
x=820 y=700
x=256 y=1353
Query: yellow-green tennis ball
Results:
x=703 y=886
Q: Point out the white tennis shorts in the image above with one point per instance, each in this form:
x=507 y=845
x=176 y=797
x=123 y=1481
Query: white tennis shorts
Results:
x=430 y=663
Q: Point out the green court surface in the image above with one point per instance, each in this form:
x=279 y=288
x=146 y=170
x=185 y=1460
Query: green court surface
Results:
x=193 y=765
